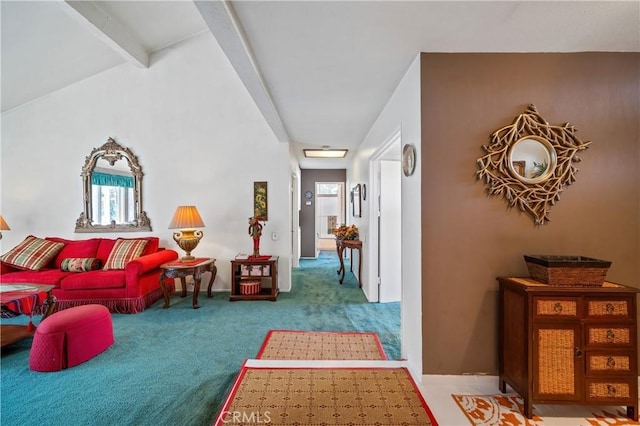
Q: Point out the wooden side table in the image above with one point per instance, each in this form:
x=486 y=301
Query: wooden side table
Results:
x=257 y=270
x=180 y=269
x=350 y=244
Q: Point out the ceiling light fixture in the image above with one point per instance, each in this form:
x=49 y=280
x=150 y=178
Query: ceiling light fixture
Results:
x=325 y=153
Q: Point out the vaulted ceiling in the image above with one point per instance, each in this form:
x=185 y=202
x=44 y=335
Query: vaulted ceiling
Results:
x=320 y=71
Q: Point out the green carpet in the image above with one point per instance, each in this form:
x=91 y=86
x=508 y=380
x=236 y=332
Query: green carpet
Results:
x=175 y=366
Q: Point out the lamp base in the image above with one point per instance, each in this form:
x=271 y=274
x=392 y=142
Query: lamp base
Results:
x=187 y=240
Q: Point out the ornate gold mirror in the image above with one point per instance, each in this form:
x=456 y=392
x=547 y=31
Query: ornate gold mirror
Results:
x=529 y=162
x=112 y=191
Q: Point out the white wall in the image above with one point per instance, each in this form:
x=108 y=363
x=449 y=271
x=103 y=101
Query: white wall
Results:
x=402 y=112
x=197 y=134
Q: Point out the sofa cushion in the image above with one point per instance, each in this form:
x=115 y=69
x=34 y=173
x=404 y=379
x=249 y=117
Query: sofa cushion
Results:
x=80 y=264
x=94 y=280
x=43 y=276
x=32 y=254
x=106 y=246
x=123 y=252
x=75 y=248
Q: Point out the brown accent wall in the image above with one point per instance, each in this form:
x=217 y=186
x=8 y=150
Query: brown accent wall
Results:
x=308 y=179
x=470 y=238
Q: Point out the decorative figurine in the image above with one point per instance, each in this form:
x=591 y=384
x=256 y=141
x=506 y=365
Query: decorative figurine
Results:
x=255 y=230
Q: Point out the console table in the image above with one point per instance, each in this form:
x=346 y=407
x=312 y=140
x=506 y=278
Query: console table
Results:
x=181 y=269
x=350 y=244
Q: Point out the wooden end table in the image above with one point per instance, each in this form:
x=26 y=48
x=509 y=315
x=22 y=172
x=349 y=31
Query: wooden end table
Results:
x=181 y=269
x=350 y=244
x=23 y=298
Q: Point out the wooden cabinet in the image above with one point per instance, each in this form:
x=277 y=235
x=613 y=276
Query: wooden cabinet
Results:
x=568 y=345
x=254 y=279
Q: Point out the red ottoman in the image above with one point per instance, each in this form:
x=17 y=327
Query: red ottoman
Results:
x=71 y=337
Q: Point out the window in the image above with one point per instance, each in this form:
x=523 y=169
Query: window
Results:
x=112 y=198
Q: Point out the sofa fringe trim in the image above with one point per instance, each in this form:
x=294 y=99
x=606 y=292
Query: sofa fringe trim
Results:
x=115 y=306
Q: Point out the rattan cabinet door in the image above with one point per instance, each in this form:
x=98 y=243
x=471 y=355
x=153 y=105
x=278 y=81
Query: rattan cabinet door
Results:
x=557 y=362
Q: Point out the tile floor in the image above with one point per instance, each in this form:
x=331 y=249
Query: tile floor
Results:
x=436 y=391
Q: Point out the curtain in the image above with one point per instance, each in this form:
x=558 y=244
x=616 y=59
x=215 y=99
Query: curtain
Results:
x=106 y=179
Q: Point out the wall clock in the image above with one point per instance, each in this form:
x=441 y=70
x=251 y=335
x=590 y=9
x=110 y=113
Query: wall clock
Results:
x=408 y=159
x=308 y=195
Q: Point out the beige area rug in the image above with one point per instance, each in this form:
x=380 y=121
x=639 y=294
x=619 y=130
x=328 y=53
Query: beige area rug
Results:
x=324 y=396
x=321 y=345
x=489 y=410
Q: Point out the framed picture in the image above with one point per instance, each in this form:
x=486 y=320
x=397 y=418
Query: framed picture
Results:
x=260 y=206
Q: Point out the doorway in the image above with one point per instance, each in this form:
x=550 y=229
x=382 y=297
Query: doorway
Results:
x=330 y=213
x=386 y=221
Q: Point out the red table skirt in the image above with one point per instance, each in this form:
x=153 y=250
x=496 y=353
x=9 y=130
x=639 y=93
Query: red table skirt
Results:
x=20 y=301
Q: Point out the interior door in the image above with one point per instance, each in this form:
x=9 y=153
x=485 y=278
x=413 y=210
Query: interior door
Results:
x=390 y=223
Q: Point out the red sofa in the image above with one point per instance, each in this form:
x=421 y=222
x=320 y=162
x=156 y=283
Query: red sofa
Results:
x=129 y=290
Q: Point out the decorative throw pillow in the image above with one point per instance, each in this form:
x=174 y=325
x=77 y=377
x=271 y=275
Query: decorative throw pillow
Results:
x=80 y=264
x=123 y=252
x=32 y=254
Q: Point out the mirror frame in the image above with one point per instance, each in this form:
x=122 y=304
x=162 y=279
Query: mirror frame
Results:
x=356 y=198
x=111 y=151
x=533 y=196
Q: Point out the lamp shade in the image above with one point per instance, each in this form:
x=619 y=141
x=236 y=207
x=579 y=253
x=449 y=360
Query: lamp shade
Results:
x=186 y=217
x=3 y=225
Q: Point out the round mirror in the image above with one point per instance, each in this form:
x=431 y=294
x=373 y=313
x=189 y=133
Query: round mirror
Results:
x=532 y=159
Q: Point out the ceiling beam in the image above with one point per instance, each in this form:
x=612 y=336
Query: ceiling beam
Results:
x=108 y=30
x=223 y=24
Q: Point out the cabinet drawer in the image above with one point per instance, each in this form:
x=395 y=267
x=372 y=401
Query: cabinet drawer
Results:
x=550 y=308
x=612 y=390
x=609 y=308
x=609 y=363
x=610 y=335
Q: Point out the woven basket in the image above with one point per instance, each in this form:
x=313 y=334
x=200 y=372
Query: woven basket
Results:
x=250 y=287
x=567 y=270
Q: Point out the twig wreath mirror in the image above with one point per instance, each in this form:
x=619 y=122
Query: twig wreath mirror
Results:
x=529 y=162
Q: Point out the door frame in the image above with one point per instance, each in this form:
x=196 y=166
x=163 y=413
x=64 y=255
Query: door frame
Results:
x=387 y=149
x=341 y=203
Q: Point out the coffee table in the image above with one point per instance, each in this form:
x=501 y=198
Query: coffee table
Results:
x=23 y=299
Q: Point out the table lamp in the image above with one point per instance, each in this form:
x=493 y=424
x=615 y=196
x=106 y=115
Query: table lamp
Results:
x=3 y=226
x=186 y=219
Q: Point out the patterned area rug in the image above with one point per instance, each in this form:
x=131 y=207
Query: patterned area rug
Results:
x=324 y=396
x=489 y=410
x=321 y=345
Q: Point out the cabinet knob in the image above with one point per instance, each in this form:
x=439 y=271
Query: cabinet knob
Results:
x=609 y=308
x=578 y=352
x=611 y=390
x=557 y=308
x=611 y=336
x=611 y=363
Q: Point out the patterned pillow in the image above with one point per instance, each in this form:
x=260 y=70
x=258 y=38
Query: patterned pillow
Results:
x=80 y=264
x=32 y=254
x=124 y=251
